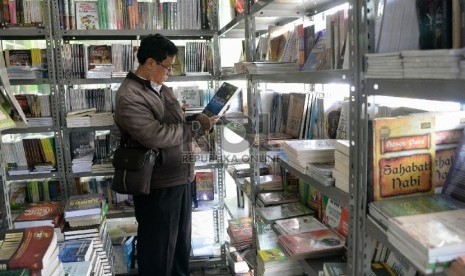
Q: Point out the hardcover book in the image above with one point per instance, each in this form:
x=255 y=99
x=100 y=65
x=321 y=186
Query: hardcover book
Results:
x=36 y=247
x=403 y=155
x=82 y=205
x=205 y=185
x=40 y=214
x=219 y=102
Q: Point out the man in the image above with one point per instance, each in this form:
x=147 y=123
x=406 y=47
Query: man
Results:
x=148 y=112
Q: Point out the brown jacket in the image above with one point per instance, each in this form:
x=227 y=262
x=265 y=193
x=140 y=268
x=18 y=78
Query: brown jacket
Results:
x=157 y=122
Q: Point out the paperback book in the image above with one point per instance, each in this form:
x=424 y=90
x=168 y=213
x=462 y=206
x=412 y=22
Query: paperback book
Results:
x=220 y=101
x=40 y=214
x=298 y=225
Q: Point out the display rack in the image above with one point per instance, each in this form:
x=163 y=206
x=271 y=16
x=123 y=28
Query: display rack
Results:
x=43 y=32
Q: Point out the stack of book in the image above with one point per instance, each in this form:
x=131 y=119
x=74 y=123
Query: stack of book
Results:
x=302 y=152
x=266 y=236
x=441 y=240
x=240 y=232
x=428 y=64
x=272 y=213
x=341 y=165
x=85 y=210
x=99 y=254
x=322 y=172
x=273 y=261
x=312 y=244
x=384 y=65
x=33 y=249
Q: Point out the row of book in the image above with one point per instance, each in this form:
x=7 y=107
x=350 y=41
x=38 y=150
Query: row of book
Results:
x=135 y=15
x=29 y=156
x=26 y=63
x=115 y=60
x=22 y=13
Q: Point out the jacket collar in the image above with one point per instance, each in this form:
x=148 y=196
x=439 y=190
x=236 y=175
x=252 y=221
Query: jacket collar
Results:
x=146 y=83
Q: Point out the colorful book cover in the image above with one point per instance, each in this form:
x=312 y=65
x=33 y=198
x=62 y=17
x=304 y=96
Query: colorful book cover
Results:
x=335 y=216
x=221 y=99
x=205 y=185
x=272 y=254
x=36 y=247
x=240 y=229
x=40 y=214
x=314 y=201
x=87 y=17
x=403 y=155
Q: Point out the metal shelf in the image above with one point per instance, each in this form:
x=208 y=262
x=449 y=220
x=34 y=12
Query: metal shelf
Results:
x=205 y=77
x=26 y=33
x=32 y=176
x=25 y=129
x=329 y=76
x=443 y=90
x=29 y=82
x=92 y=174
x=134 y=34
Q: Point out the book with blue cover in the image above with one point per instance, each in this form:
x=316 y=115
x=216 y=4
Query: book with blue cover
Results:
x=76 y=251
x=219 y=103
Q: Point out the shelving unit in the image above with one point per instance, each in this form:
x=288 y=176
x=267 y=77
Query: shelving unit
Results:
x=42 y=33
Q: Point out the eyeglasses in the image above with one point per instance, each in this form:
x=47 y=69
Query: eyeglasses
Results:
x=169 y=68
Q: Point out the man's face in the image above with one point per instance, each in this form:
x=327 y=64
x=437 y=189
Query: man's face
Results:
x=161 y=70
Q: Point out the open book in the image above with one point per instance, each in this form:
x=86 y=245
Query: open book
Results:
x=218 y=104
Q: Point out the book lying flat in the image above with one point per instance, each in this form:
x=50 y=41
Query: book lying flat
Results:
x=219 y=103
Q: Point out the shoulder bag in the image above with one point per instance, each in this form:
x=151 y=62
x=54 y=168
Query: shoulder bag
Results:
x=133 y=169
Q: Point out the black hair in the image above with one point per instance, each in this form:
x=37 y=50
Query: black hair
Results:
x=157 y=47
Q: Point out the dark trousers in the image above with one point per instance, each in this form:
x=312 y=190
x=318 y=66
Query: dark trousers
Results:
x=164 y=231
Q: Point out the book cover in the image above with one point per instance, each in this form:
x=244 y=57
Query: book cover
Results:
x=315 y=243
x=178 y=67
x=403 y=155
x=81 y=205
x=296 y=114
x=448 y=130
x=87 y=17
x=99 y=55
x=189 y=96
x=219 y=102
x=278 y=197
x=454 y=184
x=335 y=216
x=205 y=185
x=298 y=225
x=76 y=251
x=36 y=247
x=40 y=214
x=240 y=229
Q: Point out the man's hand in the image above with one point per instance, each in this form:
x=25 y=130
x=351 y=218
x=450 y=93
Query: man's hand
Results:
x=206 y=122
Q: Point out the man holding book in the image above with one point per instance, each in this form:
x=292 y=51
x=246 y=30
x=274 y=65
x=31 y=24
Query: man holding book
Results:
x=148 y=113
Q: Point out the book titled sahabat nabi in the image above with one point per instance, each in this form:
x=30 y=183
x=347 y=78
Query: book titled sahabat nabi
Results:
x=403 y=155
x=219 y=103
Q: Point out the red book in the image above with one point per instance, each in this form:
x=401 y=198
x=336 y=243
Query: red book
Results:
x=36 y=248
x=40 y=214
